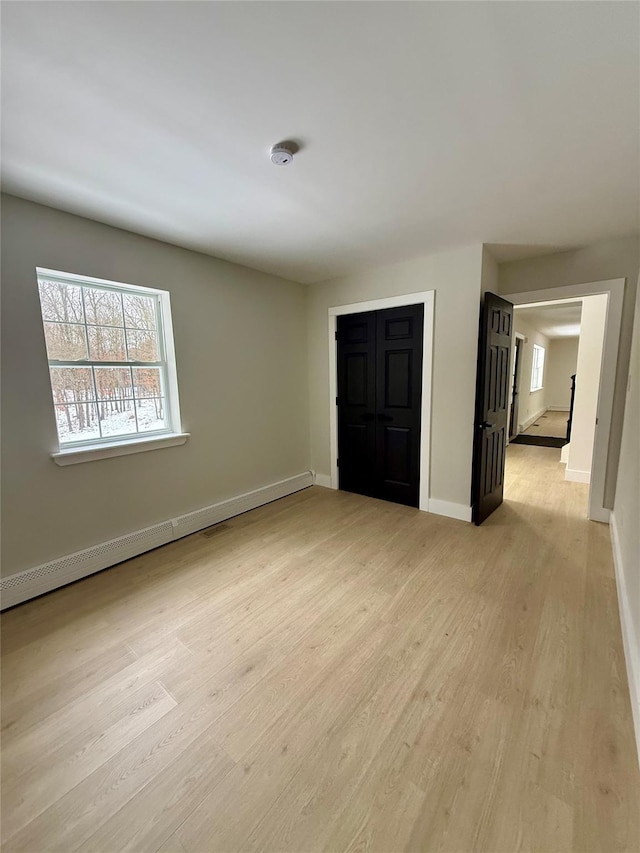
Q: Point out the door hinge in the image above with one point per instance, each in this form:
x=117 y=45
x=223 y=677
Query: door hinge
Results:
x=337 y=402
x=336 y=334
x=337 y=463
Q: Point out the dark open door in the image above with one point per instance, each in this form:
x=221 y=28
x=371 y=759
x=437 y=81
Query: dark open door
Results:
x=515 y=394
x=379 y=403
x=492 y=396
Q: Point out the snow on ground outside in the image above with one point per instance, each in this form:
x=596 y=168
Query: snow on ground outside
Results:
x=114 y=424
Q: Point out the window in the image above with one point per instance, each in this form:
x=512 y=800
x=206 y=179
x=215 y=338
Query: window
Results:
x=110 y=351
x=537 y=368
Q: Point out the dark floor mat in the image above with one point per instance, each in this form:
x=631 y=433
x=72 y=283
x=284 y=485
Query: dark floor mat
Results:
x=539 y=440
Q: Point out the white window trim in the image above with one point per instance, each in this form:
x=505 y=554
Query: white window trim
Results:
x=87 y=451
x=539 y=387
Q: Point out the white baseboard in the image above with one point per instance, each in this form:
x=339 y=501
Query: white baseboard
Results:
x=450 y=509
x=576 y=476
x=601 y=514
x=531 y=420
x=31 y=582
x=629 y=639
x=558 y=409
x=564 y=454
x=322 y=480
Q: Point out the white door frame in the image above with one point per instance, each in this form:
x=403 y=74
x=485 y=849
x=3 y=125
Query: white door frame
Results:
x=425 y=298
x=614 y=289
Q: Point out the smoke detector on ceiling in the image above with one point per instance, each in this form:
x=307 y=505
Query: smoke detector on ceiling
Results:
x=282 y=153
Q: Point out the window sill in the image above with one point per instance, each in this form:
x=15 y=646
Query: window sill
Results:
x=91 y=452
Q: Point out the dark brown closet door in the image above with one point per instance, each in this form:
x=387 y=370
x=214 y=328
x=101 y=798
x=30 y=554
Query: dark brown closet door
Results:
x=357 y=403
x=398 y=403
x=379 y=403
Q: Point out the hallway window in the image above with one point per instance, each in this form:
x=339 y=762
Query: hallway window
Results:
x=537 y=367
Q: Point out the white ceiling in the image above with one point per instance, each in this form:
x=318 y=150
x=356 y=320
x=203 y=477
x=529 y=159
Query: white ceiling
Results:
x=423 y=126
x=561 y=320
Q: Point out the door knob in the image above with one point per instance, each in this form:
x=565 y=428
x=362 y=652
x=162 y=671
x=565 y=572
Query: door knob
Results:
x=486 y=425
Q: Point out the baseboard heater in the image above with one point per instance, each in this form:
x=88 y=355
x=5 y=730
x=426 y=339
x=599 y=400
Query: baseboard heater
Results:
x=32 y=582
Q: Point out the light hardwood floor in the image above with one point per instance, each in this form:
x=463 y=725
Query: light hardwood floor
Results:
x=331 y=672
x=551 y=423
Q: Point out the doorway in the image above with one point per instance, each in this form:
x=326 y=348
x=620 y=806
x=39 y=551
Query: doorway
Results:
x=600 y=480
x=379 y=402
x=613 y=289
x=549 y=355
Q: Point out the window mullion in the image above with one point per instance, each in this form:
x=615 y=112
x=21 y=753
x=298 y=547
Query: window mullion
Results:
x=95 y=397
x=134 y=398
x=124 y=326
x=135 y=407
x=88 y=363
x=84 y=315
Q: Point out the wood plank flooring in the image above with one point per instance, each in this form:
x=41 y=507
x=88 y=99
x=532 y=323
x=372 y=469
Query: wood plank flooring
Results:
x=551 y=423
x=332 y=673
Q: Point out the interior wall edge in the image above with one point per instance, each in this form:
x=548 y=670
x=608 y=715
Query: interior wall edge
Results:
x=323 y=480
x=460 y=512
x=575 y=475
x=630 y=642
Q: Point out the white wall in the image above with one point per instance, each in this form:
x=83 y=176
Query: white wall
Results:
x=456 y=278
x=625 y=523
x=241 y=346
x=604 y=260
x=562 y=360
x=531 y=404
x=583 y=426
x=489 y=279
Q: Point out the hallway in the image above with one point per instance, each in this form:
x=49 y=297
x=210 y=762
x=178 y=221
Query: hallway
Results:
x=551 y=423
